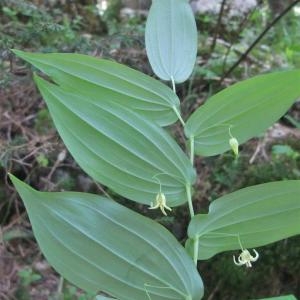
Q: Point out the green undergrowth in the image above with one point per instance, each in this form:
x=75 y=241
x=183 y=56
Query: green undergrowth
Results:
x=275 y=273
x=277 y=269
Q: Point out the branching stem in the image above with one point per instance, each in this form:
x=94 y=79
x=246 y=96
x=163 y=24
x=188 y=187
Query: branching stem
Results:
x=188 y=186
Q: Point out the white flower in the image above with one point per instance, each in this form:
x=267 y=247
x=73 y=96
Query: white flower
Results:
x=160 y=202
x=245 y=258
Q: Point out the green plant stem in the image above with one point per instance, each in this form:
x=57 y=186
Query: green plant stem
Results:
x=188 y=186
x=60 y=286
x=196 y=249
x=189 y=198
x=192 y=214
x=192 y=149
x=179 y=116
x=174 y=108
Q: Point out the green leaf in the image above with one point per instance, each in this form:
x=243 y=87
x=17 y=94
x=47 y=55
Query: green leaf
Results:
x=171 y=39
x=248 y=107
x=105 y=81
x=119 y=148
x=259 y=215
x=289 y=297
x=98 y=244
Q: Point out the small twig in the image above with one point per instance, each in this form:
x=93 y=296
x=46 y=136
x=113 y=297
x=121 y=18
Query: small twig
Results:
x=1 y=237
x=12 y=223
x=258 y=39
x=253 y=157
x=3 y=296
x=242 y=27
x=103 y=191
x=212 y=294
x=60 y=158
x=259 y=148
x=21 y=162
x=217 y=28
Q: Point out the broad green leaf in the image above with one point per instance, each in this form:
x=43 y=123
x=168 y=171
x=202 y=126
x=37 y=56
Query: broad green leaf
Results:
x=103 y=81
x=103 y=298
x=119 y=148
x=259 y=215
x=171 y=39
x=248 y=107
x=100 y=245
x=289 y=297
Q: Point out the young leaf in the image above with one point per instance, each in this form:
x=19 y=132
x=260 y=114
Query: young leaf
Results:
x=171 y=39
x=98 y=244
x=258 y=215
x=106 y=81
x=119 y=148
x=248 y=108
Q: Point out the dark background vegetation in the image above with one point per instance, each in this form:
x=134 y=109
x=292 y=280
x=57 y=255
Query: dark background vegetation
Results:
x=31 y=149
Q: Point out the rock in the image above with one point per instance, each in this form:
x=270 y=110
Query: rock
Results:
x=234 y=7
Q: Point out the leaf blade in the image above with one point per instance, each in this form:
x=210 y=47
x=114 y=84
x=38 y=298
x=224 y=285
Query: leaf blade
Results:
x=259 y=215
x=248 y=108
x=99 y=237
x=171 y=39
x=118 y=148
x=108 y=81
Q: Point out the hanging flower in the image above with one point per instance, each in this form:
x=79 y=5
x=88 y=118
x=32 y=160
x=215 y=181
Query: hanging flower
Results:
x=234 y=144
x=245 y=258
x=161 y=203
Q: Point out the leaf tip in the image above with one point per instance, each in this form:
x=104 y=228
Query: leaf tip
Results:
x=13 y=178
x=19 y=184
x=18 y=53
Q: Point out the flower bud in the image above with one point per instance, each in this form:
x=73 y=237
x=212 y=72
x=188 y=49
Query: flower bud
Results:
x=234 y=144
